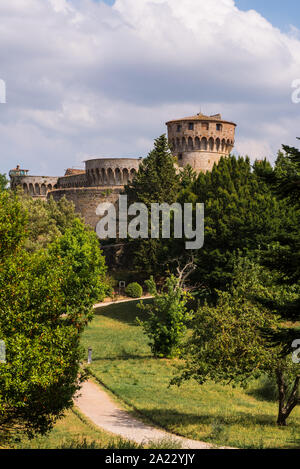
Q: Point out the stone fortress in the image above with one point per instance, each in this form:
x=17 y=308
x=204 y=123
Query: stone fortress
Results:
x=199 y=141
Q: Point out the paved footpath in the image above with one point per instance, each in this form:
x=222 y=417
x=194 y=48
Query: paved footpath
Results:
x=94 y=402
x=98 y=406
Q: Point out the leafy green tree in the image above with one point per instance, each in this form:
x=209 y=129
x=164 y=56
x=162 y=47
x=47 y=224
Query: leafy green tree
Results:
x=47 y=220
x=227 y=344
x=167 y=318
x=46 y=299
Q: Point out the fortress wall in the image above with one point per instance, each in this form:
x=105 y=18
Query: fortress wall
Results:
x=200 y=161
x=87 y=199
x=35 y=186
x=77 y=180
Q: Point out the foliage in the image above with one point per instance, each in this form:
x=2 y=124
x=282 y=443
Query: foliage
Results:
x=241 y=216
x=283 y=257
x=167 y=318
x=155 y=182
x=46 y=299
x=134 y=290
x=227 y=343
x=47 y=220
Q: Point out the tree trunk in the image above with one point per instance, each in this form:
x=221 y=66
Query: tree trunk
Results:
x=285 y=409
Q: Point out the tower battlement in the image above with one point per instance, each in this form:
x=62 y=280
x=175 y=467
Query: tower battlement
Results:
x=200 y=140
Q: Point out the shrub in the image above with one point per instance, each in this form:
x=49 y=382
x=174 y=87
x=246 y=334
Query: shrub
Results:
x=167 y=320
x=134 y=290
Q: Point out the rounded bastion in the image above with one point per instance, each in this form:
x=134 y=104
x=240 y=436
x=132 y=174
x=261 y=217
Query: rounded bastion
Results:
x=200 y=140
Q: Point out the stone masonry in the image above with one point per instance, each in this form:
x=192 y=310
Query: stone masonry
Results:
x=199 y=141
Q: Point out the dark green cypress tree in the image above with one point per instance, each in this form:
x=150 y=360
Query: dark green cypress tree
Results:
x=155 y=182
x=242 y=217
x=283 y=258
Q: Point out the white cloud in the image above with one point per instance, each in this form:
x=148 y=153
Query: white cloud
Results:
x=84 y=78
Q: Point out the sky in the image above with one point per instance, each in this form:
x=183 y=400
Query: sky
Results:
x=88 y=79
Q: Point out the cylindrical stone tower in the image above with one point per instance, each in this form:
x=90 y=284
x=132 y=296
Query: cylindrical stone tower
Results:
x=200 y=140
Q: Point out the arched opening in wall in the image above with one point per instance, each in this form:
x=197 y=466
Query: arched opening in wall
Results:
x=43 y=189
x=37 y=189
x=132 y=174
x=97 y=176
x=172 y=144
x=49 y=187
x=110 y=176
x=178 y=144
x=94 y=177
x=219 y=127
x=223 y=145
x=204 y=144
x=183 y=144
x=25 y=188
x=190 y=143
x=197 y=143
x=125 y=176
x=31 y=189
x=228 y=146
x=211 y=144
x=89 y=177
x=118 y=177
x=103 y=176
x=218 y=144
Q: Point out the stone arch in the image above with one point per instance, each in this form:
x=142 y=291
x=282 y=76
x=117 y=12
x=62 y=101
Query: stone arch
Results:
x=228 y=146
x=132 y=174
x=31 y=189
x=25 y=188
x=218 y=144
x=43 y=189
x=183 y=145
x=204 y=144
x=197 y=143
x=110 y=177
x=125 y=176
x=118 y=176
x=211 y=144
x=49 y=187
x=223 y=145
x=178 y=144
x=97 y=176
x=190 y=143
x=37 y=189
x=103 y=176
x=173 y=144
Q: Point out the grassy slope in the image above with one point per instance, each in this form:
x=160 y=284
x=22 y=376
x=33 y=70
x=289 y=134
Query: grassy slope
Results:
x=73 y=431
x=214 y=413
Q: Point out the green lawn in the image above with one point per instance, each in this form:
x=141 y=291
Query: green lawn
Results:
x=214 y=413
x=74 y=431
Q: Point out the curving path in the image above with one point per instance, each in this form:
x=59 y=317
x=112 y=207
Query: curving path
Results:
x=97 y=405
x=105 y=413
